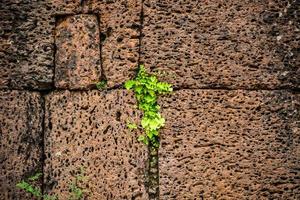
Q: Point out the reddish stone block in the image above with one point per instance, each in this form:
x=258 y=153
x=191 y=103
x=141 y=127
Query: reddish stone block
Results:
x=120 y=24
x=120 y=28
x=223 y=44
x=88 y=129
x=77 y=59
x=220 y=144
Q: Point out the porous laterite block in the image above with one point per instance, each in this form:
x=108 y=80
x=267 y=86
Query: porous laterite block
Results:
x=77 y=59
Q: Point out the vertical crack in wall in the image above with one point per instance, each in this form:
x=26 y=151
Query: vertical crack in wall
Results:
x=101 y=40
x=141 y=32
x=54 y=52
x=152 y=173
x=43 y=105
x=43 y=155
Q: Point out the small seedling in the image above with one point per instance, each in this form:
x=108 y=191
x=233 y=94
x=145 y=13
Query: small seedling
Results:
x=101 y=85
x=76 y=192
x=143 y=139
x=147 y=88
x=35 y=191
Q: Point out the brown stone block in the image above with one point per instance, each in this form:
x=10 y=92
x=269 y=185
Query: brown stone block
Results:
x=20 y=140
x=220 y=144
x=88 y=129
x=26 y=45
x=120 y=30
x=217 y=44
x=77 y=59
x=120 y=23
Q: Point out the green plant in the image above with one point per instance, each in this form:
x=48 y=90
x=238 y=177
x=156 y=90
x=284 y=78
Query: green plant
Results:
x=131 y=126
x=101 y=85
x=34 y=190
x=146 y=88
x=76 y=192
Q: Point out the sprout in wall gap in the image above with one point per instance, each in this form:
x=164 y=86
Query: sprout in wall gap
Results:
x=147 y=88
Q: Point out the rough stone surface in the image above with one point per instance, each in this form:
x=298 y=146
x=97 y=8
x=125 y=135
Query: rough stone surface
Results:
x=217 y=144
x=120 y=28
x=220 y=144
x=65 y=7
x=26 y=47
x=77 y=59
x=27 y=39
x=20 y=140
x=88 y=129
x=120 y=31
x=217 y=44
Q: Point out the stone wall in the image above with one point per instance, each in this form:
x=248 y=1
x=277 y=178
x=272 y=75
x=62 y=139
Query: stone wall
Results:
x=232 y=124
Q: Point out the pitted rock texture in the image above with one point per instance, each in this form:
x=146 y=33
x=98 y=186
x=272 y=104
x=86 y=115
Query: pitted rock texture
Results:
x=28 y=31
x=77 y=59
x=120 y=25
x=65 y=7
x=220 y=144
x=120 y=28
x=27 y=45
x=20 y=140
x=223 y=44
x=88 y=130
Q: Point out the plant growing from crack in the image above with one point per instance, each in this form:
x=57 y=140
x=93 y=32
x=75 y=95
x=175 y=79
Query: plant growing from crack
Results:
x=147 y=88
x=76 y=192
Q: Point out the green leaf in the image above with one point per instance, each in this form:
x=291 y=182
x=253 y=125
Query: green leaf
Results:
x=35 y=177
x=145 y=122
x=131 y=126
x=35 y=191
x=149 y=98
x=138 y=89
x=156 y=123
x=151 y=134
x=160 y=120
x=101 y=85
x=129 y=84
x=152 y=93
x=151 y=114
x=143 y=139
x=153 y=79
x=141 y=70
x=163 y=87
